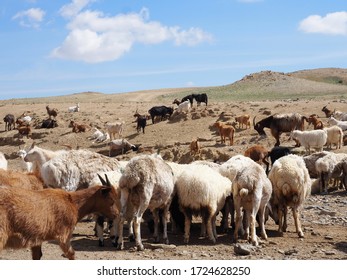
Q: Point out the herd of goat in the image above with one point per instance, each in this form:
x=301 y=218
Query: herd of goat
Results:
x=59 y=188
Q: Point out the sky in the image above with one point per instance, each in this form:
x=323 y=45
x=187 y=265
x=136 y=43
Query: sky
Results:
x=50 y=48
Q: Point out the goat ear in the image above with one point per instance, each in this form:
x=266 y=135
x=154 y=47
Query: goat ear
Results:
x=102 y=180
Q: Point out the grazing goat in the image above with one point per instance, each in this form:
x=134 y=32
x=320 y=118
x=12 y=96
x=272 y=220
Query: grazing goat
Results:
x=279 y=123
x=52 y=112
x=335 y=136
x=278 y=152
x=194 y=147
x=28 y=218
x=184 y=107
x=122 y=145
x=9 y=120
x=315 y=121
x=243 y=120
x=141 y=121
x=161 y=111
x=115 y=128
x=17 y=179
x=73 y=109
x=225 y=130
x=291 y=187
x=147 y=182
x=310 y=139
x=202 y=97
x=259 y=154
x=3 y=161
x=328 y=113
x=341 y=124
x=49 y=123
x=76 y=127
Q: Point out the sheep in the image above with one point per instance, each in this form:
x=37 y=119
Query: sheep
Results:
x=146 y=182
x=28 y=218
x=122 y=145
x=335 y=136
x=243 y=120
x=325 y=166
x=341 y=124
x=225 y=130
x=73 y=109
x=259 y=154
x=312 y=138
x=340 y=115
x=184 y=107
x=3 y=161
x=75 y=169
x=52 y=112
x=9 y=122
x=26 y=166
x=291 y=187
x=115 y=128
x=310 y=162
x=17 y=179
x=251 y=191
x=203 y=191
x=76 y=127
x=195 y=147
x=315 y=121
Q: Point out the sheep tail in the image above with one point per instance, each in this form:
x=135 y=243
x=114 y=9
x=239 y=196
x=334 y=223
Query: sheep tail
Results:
x=286 y=189
x=243 y=192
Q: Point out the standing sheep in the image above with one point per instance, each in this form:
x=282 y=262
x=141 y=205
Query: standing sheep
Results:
x=310 y=139
x=291 y=186
x=3 y=161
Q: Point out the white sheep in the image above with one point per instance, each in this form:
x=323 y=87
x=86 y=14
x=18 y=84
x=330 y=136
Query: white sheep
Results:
x=3 y=161
x=147 y=182
x=121 y=145
x=291 y=186
x=184 y=107
x=340 y=115
x=73 y=109
x=310 y=139
x=341 y=124
x=201 y=191
x=334 y=136
x=115 y=128
x=25 y=165
x=310 y=162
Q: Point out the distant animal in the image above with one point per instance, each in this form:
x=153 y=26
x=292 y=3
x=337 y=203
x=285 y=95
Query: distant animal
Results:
x=310 y=139
x=25 y=130
x=114 y=128
x=243 y=120
x=73 y=109
x=341 y=124
x=49 y=123
x=315 y=121
x=9 y=120
x=52 y=112
x=328 y=113
x=279 y=123
x=200 y=98
x=194 y=147
x=76 y=127
x=141 y=121
x=259 y=154
x=161 y=111
x=122 y=145
x=188 y=97
x=225 y=131
x=183 y=107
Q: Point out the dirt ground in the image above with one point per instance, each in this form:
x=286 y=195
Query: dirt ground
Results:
x=324 y=217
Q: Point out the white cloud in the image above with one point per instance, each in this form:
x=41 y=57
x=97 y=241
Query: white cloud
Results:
x=72 y=9
x=30 y=18
x=333 y=23
x=94 y=37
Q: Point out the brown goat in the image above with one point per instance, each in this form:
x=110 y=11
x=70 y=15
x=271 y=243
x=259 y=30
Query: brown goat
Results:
x=243 y=120
x=315 y=121
x=225 y=130
x=18 y=179
x=25 y=130
x=194 y=147
x=28 y=218
x=328 y=113
x=259 y=154
x=52 y=112
x=76 y=127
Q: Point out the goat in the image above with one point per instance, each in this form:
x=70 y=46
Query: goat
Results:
x=278 y=152
x=52 y=112
x=122 y=145
x=183 y=107
x=339 y=115
x=54 y=216
x=115 y=128
x=328 y=113
x=334 y=136
x=49 y=123
x=3 y=161
x=315 y=121
x=9 y=120
x=73 y=109
x=341 y=124
x=279 y=123
x=202 y=97
x=17 y=179
x=310 y=139
x=259 y=154
x=76 y=127
x=161 y=111
x=25 y=130
x=147 y=182
x=243 y=120
x=195 y=147
x=141 y=121
x=26 y=166
x=225 y=130
x=188 y=97
x=291 y=187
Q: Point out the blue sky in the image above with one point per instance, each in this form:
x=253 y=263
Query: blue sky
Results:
x=112 y=46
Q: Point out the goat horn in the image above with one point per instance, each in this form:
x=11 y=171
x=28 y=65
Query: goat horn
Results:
x=254 y=120
x=107 y=181
x=102 y=180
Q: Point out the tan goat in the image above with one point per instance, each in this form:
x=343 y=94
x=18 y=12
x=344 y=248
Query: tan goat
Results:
x=225 y=130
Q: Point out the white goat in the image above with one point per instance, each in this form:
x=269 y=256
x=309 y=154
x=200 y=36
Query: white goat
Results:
x=335 y=136
x=310 y=139
x=25 y=165
x=115 y=128
x=184 y=107
x=73 y=109
x=291 y=186
x=341 y=124
x=147 y=182
x=95 y=133
x=3 y=161
x=122 y=145
x=340 y=115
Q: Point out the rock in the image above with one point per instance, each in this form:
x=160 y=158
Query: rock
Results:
x=328 y=237
x=291 y=252
x=242 y=250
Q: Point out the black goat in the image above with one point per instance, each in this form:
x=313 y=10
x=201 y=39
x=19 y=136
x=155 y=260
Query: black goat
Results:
x=141 y=121
x=200 y=98
x=9 y=120
x=49 y=123
x=161 y=111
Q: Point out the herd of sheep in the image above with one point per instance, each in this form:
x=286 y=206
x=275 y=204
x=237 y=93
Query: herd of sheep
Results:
x=62 y=187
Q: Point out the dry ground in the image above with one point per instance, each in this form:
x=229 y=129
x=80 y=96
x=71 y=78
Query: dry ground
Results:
x=324 y=218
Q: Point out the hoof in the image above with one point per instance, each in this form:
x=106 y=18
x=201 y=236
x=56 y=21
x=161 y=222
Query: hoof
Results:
x=101 y=243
